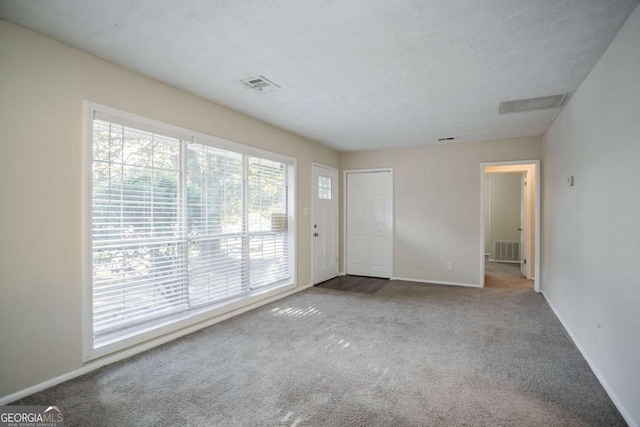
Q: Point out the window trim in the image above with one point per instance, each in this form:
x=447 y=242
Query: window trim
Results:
x=198 y=315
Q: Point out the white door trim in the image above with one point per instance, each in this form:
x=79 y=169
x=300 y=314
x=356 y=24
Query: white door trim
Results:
x=525 y=236
x=538 y=259
x=313 y=210
x=344 y=213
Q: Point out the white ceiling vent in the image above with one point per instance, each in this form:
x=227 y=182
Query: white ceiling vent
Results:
x=531 y=104
x=260 y=83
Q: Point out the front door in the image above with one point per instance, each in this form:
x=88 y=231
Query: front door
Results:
x=325 y=223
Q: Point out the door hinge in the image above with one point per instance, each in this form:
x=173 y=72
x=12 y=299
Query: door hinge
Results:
x=525 y=260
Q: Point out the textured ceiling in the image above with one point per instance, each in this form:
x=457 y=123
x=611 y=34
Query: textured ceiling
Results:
x=354 y=74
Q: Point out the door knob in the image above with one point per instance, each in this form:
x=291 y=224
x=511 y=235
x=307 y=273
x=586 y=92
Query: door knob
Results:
x=315 y=234
x=519 y=229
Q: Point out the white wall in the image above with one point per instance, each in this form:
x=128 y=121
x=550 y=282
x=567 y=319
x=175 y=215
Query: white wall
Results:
x=437 y=203
x=591 y=232
x=504 y=208
x=43 y=84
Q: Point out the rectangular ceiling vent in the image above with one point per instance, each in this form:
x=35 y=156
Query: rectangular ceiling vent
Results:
x=532 y=104
x=260 y=83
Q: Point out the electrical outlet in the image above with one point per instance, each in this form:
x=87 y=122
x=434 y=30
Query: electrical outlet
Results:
x=449 y=266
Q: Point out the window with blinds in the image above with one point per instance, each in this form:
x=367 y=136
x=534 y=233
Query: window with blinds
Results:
x=180 y=225
x=268 y=229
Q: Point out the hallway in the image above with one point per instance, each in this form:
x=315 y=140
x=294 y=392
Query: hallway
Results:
x=504 y=275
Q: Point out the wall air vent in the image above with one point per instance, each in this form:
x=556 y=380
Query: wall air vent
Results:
x=532 y=104
x=260 y=83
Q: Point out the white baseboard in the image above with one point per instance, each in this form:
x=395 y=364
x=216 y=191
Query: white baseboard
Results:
x=107 y=360
x=342 y=273
x=616 y=401
x=438 y=282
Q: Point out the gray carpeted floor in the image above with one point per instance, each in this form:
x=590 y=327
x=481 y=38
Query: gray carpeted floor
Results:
x=504 y=275
x=411 y=355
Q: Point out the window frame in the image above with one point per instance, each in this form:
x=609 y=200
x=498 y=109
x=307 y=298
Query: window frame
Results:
x=190 y=318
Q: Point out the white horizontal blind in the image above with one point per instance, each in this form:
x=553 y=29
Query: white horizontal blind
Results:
x=268 y=221
x=178 y=225
x=217 y=242
x=138 y=247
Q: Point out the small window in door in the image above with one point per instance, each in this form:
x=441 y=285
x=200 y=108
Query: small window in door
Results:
x=324 y=187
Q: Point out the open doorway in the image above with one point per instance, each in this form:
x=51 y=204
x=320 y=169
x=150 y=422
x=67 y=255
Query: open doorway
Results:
x=510 y=225
x=506 y=231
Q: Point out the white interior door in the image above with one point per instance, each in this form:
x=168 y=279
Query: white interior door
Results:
x=325 y=223
x=369 y=218
x=523 y=225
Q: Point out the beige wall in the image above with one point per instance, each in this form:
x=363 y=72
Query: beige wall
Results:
x=42 y=86
x=591 y=231
x=437 y=203
x=504 y=208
